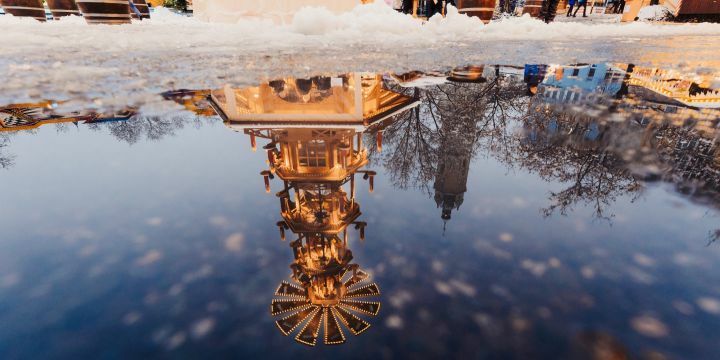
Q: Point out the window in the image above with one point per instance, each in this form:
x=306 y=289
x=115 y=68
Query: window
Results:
x=313 y=153
x=576 y=72
x=591 y=74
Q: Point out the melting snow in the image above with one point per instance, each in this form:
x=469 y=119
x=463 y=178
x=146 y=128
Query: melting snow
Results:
x=129 y=64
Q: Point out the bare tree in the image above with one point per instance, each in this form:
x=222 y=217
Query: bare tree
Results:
x=463 y=115
x=144 y=127
x=574 y=149
x=6 y=160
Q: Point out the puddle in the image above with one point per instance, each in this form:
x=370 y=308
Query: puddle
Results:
x=514 y=211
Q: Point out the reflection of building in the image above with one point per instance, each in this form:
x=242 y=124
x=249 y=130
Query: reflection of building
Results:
x=587 y=83
x=315 y=130
x=315 y=166
x=458 y=134
x=30 y=116
x=193 y=100
x=351 y=100
x=453 y=170
x=580 y=83
x=672 y=117
x=674 y=88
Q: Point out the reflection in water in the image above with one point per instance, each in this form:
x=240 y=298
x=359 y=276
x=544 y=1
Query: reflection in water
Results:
x=318 y=125
x=599 y=132
x=26 y=117
x=462 y=112
x=603 y=129
x=631 y=128
x=127 y=125
x=30 y=116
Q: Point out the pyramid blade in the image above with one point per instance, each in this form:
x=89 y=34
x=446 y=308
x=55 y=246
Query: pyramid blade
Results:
x=294 y=281
x=359 y=277
x=290 y=322
x=366 y=307
x=349 y=269
x=287 y=289
x=333 y=333
x=309 y=334
x=280 y=306
x=354 y=323
x=365 y=291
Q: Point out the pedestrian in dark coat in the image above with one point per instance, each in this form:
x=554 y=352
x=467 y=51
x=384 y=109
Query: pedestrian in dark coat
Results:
x=571 y=5
x=617 y=4
x=622 y=7
x=407 y=6
x=433 y=7
x=548 y=10
x=448 y=3
x=582 y=3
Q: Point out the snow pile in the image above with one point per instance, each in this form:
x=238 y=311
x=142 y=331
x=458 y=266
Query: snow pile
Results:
x=453 y=24
x=315 y=21
x=379 y=21
x=654 y=13
x=116 y=64
x=279 y=11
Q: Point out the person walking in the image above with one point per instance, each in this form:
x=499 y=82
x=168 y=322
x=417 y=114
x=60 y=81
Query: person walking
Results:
x=433 y=7
x=615 y=6
x=507 y=6
x=548 y=10
x=407 y=6
x=582 y=3
x=621 y=9
x=448 y=3
x=571 y=5
x=618 y=7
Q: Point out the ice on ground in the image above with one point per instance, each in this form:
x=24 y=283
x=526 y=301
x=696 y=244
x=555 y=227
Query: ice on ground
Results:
x=129 y=64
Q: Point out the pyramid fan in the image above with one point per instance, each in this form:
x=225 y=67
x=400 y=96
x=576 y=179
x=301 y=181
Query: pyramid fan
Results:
x=16 y=117
x=323 y=304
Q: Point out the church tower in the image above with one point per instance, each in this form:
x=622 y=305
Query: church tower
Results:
x=453 y=170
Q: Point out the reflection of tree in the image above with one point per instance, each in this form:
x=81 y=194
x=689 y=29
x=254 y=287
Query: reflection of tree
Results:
x=129 y=130
x=574 y=150
x=692 y=159
x=5 y=160
x=713 y=236
x=410 y=141
x=148 y=127
x=452 y=114
x=597 y=161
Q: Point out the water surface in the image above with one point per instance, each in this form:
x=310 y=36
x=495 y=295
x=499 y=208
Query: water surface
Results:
x=517 y=212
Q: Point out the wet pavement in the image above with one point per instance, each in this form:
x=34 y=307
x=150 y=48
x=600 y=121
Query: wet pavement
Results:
x=492 y=211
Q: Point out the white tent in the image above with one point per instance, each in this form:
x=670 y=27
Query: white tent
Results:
x=282 y=11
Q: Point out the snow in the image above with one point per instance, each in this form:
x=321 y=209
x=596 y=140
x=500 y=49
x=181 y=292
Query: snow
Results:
x=130 y=64
x=279 y=11
x=654 y=13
